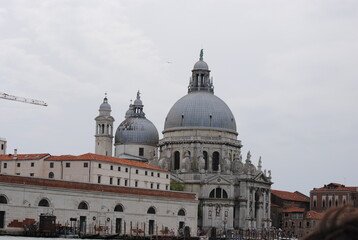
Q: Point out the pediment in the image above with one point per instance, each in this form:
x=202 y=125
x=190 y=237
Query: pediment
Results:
x=218 y=180
x=260 y=177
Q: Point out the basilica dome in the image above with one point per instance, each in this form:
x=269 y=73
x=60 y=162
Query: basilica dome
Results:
x=136 y=128
x=200 y=108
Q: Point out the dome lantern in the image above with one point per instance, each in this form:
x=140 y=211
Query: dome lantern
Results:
x=200 y=79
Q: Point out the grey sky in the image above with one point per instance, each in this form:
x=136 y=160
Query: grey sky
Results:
x=287 y=70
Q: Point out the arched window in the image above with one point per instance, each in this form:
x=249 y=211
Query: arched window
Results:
x=216 y=161
x=44 y=203
x=83 y=205
x=205 y=154
x=176 y=160
x=51 y=175
x=314 y=203
x=218 y=193
x=3 y=199
x=323 y=203
x=181 y=212
x=118 y=208
x=151 y=210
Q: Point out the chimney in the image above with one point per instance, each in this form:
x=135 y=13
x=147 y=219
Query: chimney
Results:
x=15 y=153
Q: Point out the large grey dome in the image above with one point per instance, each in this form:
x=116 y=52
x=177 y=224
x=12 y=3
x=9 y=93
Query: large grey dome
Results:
x=200 y=109
x=137 y=130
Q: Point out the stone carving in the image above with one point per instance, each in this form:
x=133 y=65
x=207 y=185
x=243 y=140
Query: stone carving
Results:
x=163 y=163
x=259 y=166
x=248 y=158
x=237 y=165
x=201 y=163
x=218 y=210
x=226 y=165
x=186 y=162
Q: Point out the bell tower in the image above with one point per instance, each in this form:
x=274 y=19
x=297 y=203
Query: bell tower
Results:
x=104 y=129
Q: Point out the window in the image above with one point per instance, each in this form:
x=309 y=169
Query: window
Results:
x=176 y=160
x=141 y=151
x=32 y=164
x=111 y=180
x=167 y=176
x=51 y=175
x=3 y=199
x=118 y=181
x=166 y=187
x=85 y=165
x=119 y=169
x=158 y=185
x=218 y=193
x=18 y=164
x=44 y=203
x=158 y=174
x=136 y=171
x=126 y=169
x=68 y=164
x=99 y=165
x=151 y=185
x=152 y=174
x=216 y=161
x=111 y=167
x=136 y=184
x=5 y=165
x=31 y=174
x=51 y=164
x=286 y=214
x=314 y=203
x=99 y=179
x=118 y=208
x=151 y=210
x=308 y=224
x=181 y=212
x=146 y=172
x=83 y=205
x=125 y=182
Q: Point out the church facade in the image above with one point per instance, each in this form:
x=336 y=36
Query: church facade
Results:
x=201 y=150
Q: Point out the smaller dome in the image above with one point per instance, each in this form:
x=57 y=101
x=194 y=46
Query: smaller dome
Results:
x=137 y=102
x=105 y=107
x=201 y=65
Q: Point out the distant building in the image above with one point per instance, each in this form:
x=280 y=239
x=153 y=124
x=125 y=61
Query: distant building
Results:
x=288 y=211
x=89 y=168
x=333 y=195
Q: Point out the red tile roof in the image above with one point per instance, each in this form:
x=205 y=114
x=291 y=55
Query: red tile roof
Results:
x=314 y=215
x=36 y=156
x=96 y=157
x=335 y=187
x=293 y=209
x=291 y=196
x=50 y=183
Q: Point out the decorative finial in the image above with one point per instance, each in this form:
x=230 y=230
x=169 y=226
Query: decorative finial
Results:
x=201 y=54
x=248 y=158
x=105 y=98
x=259 y=166
x=138 y=95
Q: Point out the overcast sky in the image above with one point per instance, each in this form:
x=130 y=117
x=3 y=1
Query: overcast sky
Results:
x=287 y=69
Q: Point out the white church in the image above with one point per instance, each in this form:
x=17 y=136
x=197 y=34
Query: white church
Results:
x=200 y=149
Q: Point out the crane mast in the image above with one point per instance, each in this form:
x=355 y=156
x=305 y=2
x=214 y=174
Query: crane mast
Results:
x=22 y=99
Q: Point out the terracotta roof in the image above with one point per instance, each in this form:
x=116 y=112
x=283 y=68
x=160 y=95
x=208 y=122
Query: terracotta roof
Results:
x=50 y=183
x=314 y=215
x=335 y=187
x=96 y=157
x=293 y=209
x=292 y=196
x=274 y=205
x=36 y=156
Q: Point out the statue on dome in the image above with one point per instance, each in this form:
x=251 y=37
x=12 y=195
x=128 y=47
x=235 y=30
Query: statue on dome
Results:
x=201 y=54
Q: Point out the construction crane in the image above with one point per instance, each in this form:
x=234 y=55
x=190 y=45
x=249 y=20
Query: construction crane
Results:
x=21 y=99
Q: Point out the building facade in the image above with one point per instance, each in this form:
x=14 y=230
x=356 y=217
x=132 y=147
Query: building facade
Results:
x=333 y=195
x=95 y=208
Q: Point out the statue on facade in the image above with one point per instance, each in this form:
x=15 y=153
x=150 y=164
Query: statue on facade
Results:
x=237 y=165
x=201 y=163
x=226 y=165
x=186 y=162
x=163 y=163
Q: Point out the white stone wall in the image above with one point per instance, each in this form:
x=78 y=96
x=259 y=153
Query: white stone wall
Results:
x=23 y=203
x=3 y=146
